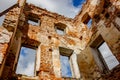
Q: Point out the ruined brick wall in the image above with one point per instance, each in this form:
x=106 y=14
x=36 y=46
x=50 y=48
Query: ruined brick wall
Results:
x=43 y=36
x=7 y=37
x=105 y=23
x=75 y=38
x=17 y=32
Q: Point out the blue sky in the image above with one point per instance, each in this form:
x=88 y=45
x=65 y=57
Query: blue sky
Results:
x=77 y=3
x=89 y=23
x=26 y=61
x=68 y=8
x=65 y=66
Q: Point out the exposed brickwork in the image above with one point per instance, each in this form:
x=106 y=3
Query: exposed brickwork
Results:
x=16 y=31
x=114 y=75
x=104 y=24
x=10 y=26
x=46 y=59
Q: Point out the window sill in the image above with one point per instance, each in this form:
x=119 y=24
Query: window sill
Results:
x=111 y=71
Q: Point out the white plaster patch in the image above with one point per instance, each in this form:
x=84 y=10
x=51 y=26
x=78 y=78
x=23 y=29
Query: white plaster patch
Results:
x=38 y=59
x=118 y=3
x=1 y=58
x=75 y=65
x=117 y=20
x=95 y=2
x=56 y=56
x=42 y=38
x=111 y=9
x=101 y=23
x=5 y=36
x=21 y=2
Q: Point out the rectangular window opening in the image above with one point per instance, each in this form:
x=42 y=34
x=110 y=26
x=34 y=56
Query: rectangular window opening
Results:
x=34 y=21
x=109 y=58
x=60 y=28
x=65 y=62
x=65 y=66
x=26 y=62
x=60 y=31
x=89 y=23
x=107 y=15
x=86 y=19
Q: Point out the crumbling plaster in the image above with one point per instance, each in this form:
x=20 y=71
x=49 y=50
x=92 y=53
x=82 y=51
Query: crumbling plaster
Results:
x=16 y=32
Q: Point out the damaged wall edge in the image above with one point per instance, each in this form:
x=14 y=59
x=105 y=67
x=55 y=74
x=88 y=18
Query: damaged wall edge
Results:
x=83 y=42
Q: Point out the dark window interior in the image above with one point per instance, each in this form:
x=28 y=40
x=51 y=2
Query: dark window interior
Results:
x=97 y=18
x=107 y=15
x=86 y=19
x=34 y=21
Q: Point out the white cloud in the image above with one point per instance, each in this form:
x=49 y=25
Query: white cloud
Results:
x=63 y=7
x=65 y=66
x=5 y=4
x=26 y=71
x=26 y=62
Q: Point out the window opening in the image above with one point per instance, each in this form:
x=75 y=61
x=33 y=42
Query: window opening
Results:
x=65 y=62
x=60 y=28
x=108 y=56
x=89 y=23
x=34 y=21
x=60 y=31
x=65 y=66
x=26 y=62
x=87 y=20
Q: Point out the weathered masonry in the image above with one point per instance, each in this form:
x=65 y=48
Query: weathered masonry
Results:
x=92 y=53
